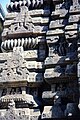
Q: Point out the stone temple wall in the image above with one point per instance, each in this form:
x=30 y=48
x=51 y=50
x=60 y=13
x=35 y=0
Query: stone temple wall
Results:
x=39 y=63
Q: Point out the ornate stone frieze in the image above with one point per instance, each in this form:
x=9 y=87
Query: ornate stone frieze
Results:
x=18 y=114
x=24 y=42
x=23 y=24
x=16 y=68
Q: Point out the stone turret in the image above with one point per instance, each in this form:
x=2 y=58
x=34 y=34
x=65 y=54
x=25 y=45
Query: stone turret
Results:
x=24 y=50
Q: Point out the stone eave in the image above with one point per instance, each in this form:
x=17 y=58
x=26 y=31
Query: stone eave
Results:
x=62 y=79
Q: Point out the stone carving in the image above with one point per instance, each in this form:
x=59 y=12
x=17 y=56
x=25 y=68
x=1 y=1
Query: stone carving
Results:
x=21 y=23
x=60 y=12
x=59 y=67
x=24 y=42
x=12 y=113
x=14 y=68
x=15 y=5
x=47 y=113
x=11 y=105
x=38 y=66
x=27 y=99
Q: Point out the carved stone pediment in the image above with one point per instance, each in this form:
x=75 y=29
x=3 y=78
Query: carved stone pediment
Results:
x=13 y=67
x=22 y=24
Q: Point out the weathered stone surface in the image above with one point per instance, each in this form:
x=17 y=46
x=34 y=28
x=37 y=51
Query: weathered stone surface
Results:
x=19 y=114
x=24 y=42
x=48 y=95
x=54 y=60
x=16 y=68
x=71 y=27
x=47 y=113
x=39 y=63
x=71 y=35
x=55 y=32
x=40 y=12
x=52 y=112
x=23 y=23
x=75 y=9
x=15 y=5
x=61 y=13
x=56 y=24
x=74 y=18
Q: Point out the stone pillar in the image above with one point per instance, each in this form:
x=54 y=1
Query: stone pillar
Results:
x=23 y=90
x=8 y=91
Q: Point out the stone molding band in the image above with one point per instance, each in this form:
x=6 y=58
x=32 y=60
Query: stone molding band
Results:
x=16 y=5
x=24 y=42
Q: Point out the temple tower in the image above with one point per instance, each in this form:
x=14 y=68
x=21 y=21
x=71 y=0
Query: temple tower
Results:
x=39 y=60
x=24 y=51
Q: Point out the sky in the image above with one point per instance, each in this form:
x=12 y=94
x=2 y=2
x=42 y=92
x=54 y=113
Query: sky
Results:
x=3 y=3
